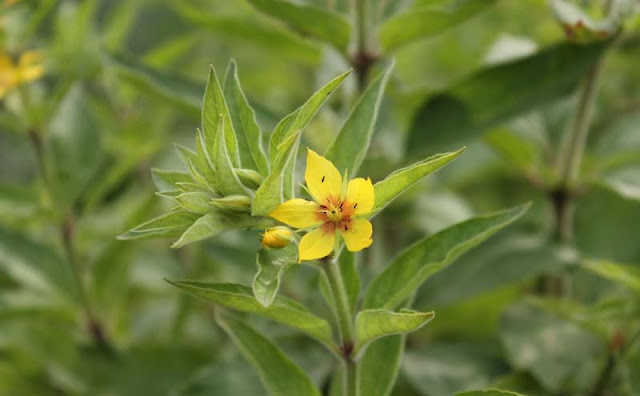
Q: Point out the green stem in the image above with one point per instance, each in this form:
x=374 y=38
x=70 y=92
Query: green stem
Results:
x=345 y=324
x=361 y=23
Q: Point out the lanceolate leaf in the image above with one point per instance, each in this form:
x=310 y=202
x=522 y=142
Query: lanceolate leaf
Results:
x=248 y=131
x=272 y=263
x=399 y=181
x=626 y=275
x=372 y=324
x=489 y=392
x=216 y=222
x=498 y=93
x=227 y=180
x=428 y=256
x=166 y=180
x=350 y=146
x=420 y=23
x=240 y=298
x=380 y=365
x=214 y=108
x=308 y=19
x=279 y=374
x=301 y=116
x=270 y=194
x=168 y=225
x=171 y=88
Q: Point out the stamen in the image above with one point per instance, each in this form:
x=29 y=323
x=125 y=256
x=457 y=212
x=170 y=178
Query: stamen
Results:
x=346 y=228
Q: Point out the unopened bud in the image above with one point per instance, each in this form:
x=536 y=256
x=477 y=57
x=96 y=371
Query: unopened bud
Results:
x=235 y=203
x=249 y=178
x=277 y=237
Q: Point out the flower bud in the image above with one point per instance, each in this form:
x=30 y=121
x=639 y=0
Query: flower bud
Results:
x=249 y=178
x=234 y=203
x=277 y=237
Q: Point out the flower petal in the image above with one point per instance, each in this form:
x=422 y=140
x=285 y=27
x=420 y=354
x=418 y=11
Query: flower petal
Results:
x=298 y=213
x=316 y=244
x=360 y=196
x=323 y=179
x=357 y=234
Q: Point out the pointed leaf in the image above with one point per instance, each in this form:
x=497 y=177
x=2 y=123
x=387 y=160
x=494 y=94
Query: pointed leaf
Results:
x=214 y=223
x=271 y=193
x=171 y=88
x=489 y=392
x=372 y=324
x=420 y=23
x=280 y=375
x=272 y=263
x=309 y=20
x=626 y=275
x=399 y=181
x=248 y=131
x=428 y=256
x=214 y=113
x=226 y=177
x=352 y=142
x=498 y=93
x=166 y=180
x=380 y=365
x=301 y=116
x=283 y=310
x=168 y=225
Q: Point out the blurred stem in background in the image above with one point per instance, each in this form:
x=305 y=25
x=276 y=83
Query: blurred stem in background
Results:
x=67 y=235
x=363 y=58
x=344 y=318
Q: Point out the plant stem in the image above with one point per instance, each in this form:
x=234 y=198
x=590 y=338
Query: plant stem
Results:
x=362 y=59
x=345 y=324
x=67 y=231
x=361 y=23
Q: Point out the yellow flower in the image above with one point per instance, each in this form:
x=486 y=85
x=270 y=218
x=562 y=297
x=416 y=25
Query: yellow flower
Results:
x=28 y=68
x=335 y=211
x=277 y=237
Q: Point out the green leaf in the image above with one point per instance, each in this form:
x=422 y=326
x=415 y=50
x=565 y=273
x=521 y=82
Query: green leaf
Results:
x=489 y=392
x=416 y=24
x=216 y=120
x=626 y=275
x=168 y=225
x=372 y=324
x=426 y=257
x=36 y=266
x=271 y=193
x=279 y=374
x=309 y=20
x=166 y=180
x=445 y=368
x=263 y=35
x=497 y=93
x=195 y=201
x=399 y=181
x=72 y=147
x=380 y=365
x=170 y=88
x=216 y=222
x=562 y=356
x=283 y=310
x=227 y=180
x=244 y=121
x=352 y=142
x=272 y=263
x=300 y=117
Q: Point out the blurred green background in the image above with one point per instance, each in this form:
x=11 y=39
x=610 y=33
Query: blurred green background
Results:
x=122 y=83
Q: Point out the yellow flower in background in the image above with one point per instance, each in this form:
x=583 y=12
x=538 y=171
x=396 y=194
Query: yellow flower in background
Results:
x=336 y=210
x=28 y=68
x=277 y=237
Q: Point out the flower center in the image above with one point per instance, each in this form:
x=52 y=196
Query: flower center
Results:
x=334 y=212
